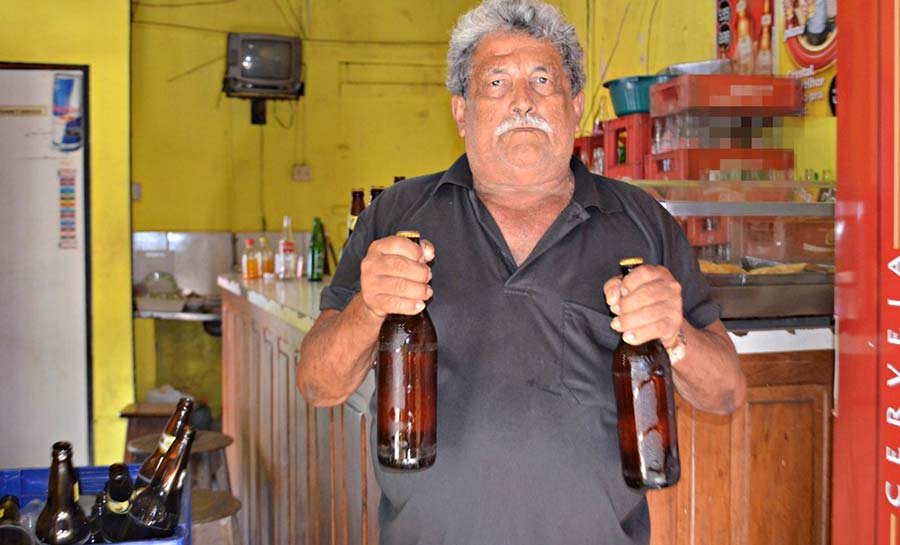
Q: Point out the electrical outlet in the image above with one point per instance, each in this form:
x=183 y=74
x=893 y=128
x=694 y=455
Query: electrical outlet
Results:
x=301 y=173
x=136 y=191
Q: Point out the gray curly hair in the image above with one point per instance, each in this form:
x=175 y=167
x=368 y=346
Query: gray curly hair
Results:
x=532 y=17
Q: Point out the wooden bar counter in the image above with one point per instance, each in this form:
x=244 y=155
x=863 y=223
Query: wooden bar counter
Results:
x=304 y=475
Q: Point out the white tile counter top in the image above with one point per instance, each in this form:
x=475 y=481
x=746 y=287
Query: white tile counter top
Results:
x=295 y=302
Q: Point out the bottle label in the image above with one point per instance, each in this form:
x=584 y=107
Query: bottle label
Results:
x=75 y=492
x=118 y=507
x=1 y=512
x=166 y=441
x=286 y=246
x=351 y=223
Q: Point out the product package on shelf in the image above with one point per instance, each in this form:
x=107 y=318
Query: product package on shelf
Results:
x=31 y=484
x=727 y=95
x=722 y=127
x=721 y=164
x=687 y=130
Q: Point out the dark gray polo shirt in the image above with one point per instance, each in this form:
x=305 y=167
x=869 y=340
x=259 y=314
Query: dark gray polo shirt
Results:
x=527 y=444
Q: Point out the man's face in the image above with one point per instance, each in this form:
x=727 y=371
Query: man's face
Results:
x=520 y=113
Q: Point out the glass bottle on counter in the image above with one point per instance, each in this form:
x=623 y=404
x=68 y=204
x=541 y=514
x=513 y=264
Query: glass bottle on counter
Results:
x=62 y=521
x=286 y=257
x=11 y=530
x=374 y=191
x=176 y=423
x=357 y=205
x=316 y=256
x=249 y=260
x=645 y=398
x=155 y=509
x=266 y=257
x=407 y=388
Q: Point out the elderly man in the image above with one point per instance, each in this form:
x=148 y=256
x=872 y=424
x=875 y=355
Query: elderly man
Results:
x=524 y=293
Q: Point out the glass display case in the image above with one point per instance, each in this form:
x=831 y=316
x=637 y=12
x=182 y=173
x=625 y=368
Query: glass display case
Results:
x=767 y=248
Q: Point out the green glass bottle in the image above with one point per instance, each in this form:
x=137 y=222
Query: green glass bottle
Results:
x=316 y=255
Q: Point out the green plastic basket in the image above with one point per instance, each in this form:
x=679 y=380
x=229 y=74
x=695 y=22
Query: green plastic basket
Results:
x=631 y=95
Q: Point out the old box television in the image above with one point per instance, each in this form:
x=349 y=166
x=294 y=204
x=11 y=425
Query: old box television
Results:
x=263 y=66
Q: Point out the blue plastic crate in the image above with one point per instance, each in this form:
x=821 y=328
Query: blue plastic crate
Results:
x=30 y=484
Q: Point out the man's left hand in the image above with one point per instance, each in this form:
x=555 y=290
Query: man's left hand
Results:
x=647 y=305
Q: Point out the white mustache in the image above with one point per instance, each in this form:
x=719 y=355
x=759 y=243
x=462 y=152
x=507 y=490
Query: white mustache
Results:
x=528 y=120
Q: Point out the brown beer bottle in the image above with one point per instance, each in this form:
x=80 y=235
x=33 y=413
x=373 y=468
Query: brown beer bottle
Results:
x=407 y=388
x=374 y=191
x=648 y=435
x=357 y=205
x=62 y=522
x=155 y=509
x=119 y=489
x=11 y=530
x=176 y=422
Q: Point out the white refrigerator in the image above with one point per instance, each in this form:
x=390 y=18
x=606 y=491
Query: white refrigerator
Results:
x=44 y=278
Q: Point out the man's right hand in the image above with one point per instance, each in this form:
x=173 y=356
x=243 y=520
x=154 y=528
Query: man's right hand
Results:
x=394 y=276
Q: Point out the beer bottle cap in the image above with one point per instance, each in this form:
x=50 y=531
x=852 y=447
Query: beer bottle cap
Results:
x=631 y=261
x=409 y=234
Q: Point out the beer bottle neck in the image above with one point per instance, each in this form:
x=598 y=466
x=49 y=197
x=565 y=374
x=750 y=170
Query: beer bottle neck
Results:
x=179 y=418
x=171 y=470
x=62 y=489
x=119 y=487
x=9 y=513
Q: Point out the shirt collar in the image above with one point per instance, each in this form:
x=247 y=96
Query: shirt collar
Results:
x=590 y=191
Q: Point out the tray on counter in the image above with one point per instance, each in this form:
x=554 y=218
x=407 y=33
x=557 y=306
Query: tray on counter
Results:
x=773 y=295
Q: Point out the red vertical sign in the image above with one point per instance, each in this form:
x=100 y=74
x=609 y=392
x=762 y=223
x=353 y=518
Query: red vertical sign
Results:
x=888 y=442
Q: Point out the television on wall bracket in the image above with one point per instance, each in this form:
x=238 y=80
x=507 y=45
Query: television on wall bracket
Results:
x=263 y=66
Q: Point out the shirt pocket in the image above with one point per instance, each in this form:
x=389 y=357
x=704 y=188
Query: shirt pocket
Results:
x=586 y=357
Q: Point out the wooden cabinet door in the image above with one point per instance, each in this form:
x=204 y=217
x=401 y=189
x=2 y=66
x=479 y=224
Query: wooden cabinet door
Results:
x=761 y=475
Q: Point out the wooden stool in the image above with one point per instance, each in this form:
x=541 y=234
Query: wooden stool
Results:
x=209 y=470
x=144 y=418
x=213 y=518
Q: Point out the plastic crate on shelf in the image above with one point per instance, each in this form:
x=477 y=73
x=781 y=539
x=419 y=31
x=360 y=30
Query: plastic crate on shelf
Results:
x=721 y=164
x=728 y=94
x=584 y=149
x=635 y=130
x=30 y=484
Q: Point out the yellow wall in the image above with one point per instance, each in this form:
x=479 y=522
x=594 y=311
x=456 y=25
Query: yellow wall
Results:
x=96 y=33
x=375 y=107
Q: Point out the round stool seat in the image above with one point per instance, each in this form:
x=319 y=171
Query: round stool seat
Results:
x=209 y=505
x=204 y=441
